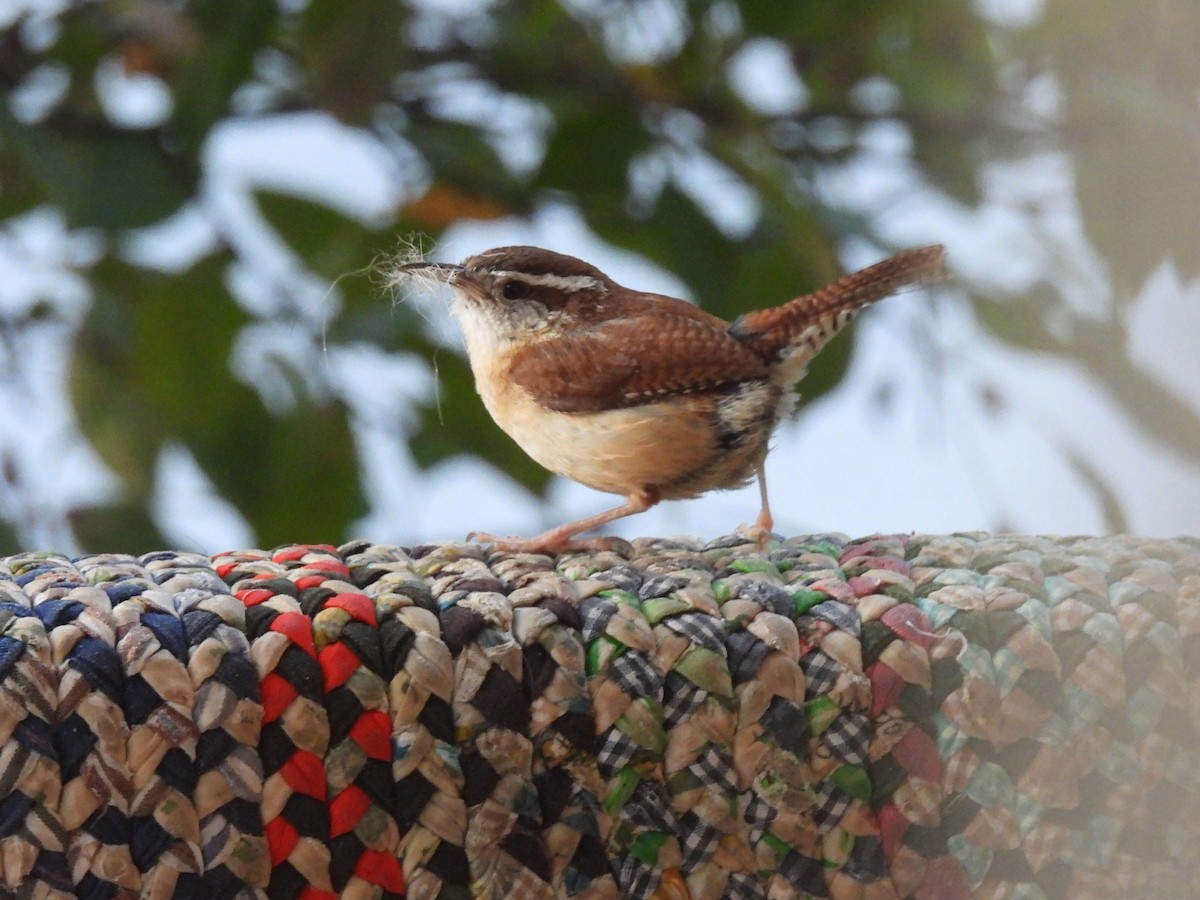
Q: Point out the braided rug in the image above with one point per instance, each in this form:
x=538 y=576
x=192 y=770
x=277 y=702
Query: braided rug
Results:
x=907 y=716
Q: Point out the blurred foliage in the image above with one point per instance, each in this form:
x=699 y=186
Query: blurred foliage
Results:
x=1132 y=122
x=615 y=98
x=1125 y=80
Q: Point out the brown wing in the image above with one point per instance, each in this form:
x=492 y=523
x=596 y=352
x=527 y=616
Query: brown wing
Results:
x=630 y=361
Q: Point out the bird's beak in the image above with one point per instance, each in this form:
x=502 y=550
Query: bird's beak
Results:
x=447 y=272
x=454 y=276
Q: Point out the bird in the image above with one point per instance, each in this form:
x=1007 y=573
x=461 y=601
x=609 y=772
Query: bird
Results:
x=640 y=394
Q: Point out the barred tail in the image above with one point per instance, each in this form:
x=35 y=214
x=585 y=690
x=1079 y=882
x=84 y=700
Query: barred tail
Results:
x=800 y=328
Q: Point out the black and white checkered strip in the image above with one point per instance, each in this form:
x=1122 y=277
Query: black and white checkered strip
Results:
x=648 y=808
x=615 y=751
x=660 y=586
x=697 y=839
x=758 y=814
x=714 y=767
x=745 y=654
x=744 y=886
x=830 y=803
x=636 y=879
x=596 y=613
x=805 y=873
x=848 y=737
x=625 y=578
x=636 y=676
x=681 y=697
x=707 y=631
x=770 y=596
x=820 y=672
x=843 y=616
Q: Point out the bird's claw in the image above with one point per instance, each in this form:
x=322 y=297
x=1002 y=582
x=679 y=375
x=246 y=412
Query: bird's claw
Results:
x=756 y=534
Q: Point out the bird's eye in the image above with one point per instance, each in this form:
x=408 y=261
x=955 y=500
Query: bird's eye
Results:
x=514 y=290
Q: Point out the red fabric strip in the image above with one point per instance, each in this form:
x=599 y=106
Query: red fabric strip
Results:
x=338 y=662
x=373 y=732
x=277 y=694
x=382 y=869
x=305 y=774
x=281 y=839
x=346 y=809
x=298 y=627
x=359 y=606
x=254 y=596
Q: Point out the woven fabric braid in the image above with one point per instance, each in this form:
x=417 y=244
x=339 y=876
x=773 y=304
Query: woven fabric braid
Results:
x=770 y=743
x=362 y=831
x=33 y=841
x=159 y=701
x=491 y=706
x=426 y=767
x=1067 y=684
x=362 y=827
x=924 y=716
x=565 y=773
x=90 y=733
x=627 y=696
x=228 y=714
x=295 y=727
x=700 y=719
x=829 y=606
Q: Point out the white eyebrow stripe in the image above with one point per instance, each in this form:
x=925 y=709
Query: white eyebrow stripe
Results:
x=560 y=282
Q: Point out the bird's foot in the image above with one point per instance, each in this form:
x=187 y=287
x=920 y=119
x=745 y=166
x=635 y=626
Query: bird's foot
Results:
x=760 y=533
x=755 y=535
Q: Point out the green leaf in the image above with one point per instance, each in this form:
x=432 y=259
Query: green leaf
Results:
x=227 y=41
x=1129 y=77
x=9 y=539
x=298 y=480
x=350 y=53
x=462 y=157
x=122 y=528
x=100 y=177
x=153 y=365
x=329 y=243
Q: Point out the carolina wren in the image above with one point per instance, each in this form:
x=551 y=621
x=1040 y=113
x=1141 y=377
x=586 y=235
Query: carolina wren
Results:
x=639 y=394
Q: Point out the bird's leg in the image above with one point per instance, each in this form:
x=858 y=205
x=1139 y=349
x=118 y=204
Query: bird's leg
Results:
x=562 y=538
x=760 y=531
x=765 y=521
